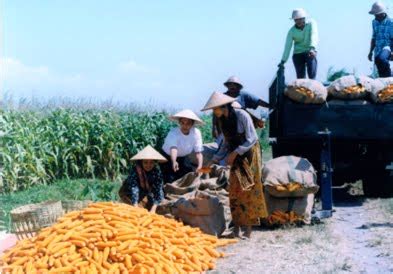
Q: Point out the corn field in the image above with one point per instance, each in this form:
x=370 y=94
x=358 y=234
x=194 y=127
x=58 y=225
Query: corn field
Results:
x=40 y=146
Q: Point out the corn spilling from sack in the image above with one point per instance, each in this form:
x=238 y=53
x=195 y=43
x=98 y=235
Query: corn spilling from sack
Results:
x=386 y=95
x=356 y=89
x=351 y=87
x=109 y=237
x=290 y=184
x=306 y=91
x=279 y=217
x=291 y=187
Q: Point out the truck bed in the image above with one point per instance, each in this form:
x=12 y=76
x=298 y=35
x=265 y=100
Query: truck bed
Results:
x=357 y=119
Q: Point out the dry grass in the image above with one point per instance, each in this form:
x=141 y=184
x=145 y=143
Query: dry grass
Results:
x=295 y=250
x=380 y=226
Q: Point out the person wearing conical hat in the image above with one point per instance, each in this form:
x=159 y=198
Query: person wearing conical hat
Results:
x=304 y=37
x=242 y=151
x=245 y=99
x=180 y=142
x=145 y=180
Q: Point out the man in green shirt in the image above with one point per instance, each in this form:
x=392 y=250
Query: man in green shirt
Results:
x=304 y=36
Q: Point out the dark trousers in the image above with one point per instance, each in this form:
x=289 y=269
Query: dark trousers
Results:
x=382 y=63
x=167 y=171
x=303 y=60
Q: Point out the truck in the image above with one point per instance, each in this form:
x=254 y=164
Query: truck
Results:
x=361 y=137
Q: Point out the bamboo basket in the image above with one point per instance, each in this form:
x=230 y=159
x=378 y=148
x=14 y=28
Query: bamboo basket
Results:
x=72 y=205
x=27 y=220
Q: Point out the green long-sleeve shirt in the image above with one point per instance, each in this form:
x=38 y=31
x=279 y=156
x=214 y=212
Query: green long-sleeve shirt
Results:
x=304 y=40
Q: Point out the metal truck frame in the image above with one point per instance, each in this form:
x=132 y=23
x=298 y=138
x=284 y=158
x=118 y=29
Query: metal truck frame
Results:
x=361 y=137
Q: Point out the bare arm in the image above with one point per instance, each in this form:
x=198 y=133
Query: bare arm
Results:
x=199 y=157
x=153 y=209
x=175 y=165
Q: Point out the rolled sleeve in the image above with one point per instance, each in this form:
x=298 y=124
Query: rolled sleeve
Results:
x=251 y=101
x=250 y=133
x=198 y=147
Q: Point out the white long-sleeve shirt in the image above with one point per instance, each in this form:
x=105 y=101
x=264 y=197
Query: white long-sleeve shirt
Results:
x=185 y=144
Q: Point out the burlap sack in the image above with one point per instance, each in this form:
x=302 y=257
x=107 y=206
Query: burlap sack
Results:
x=337 y=88
x=380 y=85
x=203 y=211
x=301 y=206
x=208 y=153
x=285 y=170
x=318 y=90
x=190 y=184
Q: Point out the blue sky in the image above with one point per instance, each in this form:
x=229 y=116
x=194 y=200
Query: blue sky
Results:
x=171 y=53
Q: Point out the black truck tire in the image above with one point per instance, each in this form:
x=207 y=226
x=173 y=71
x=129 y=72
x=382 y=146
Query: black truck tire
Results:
x=378 y=183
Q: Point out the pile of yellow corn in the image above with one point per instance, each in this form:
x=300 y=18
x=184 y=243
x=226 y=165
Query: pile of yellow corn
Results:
x=386 y=95
x=356 y=89
x=305 y=91
x=109 y=237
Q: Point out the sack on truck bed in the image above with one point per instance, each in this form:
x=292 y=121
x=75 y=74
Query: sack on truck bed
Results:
x=203 y=211
x=350 y=87
x=382 y=90
x=289 y=176
x=306 y=91
x=301 y=208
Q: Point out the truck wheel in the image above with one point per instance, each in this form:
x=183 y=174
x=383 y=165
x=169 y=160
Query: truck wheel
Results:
x=378 y=183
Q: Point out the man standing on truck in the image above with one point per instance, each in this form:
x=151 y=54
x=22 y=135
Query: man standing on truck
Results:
x=245 y=99
x=304 y=36
x=381 y=40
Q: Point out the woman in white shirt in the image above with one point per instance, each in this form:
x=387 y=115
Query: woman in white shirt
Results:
x=181 y=142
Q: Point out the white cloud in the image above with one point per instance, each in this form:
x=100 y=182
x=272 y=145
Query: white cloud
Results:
x=131 y=66
x=22 y=78
x=124 y=79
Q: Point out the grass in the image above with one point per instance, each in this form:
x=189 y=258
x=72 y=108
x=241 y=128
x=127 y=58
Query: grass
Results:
x=293 y=250
x=381 y=225
x=82 y=189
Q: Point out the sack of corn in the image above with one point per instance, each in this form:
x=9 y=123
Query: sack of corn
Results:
x=114 y=238
x=350 y=87
x=289 y=210
x=382 y=90
x=306 y=91
x=203 y=211
x=289 y=176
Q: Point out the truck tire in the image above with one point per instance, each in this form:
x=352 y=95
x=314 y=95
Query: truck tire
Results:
x=378 y=183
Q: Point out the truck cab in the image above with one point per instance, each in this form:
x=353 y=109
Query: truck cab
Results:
x=361 y=136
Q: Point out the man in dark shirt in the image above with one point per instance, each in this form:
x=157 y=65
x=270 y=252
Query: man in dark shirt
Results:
x=245 y=99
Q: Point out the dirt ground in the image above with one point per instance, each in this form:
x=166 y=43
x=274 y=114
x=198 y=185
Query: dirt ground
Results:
x=357 y=239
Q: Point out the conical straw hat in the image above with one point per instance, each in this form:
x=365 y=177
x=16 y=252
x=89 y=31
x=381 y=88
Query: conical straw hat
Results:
x=149 y=153
x=218 y=99
x=189 y=114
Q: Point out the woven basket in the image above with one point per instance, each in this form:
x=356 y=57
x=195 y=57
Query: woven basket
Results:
x=27 y=220
x=72 y=205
